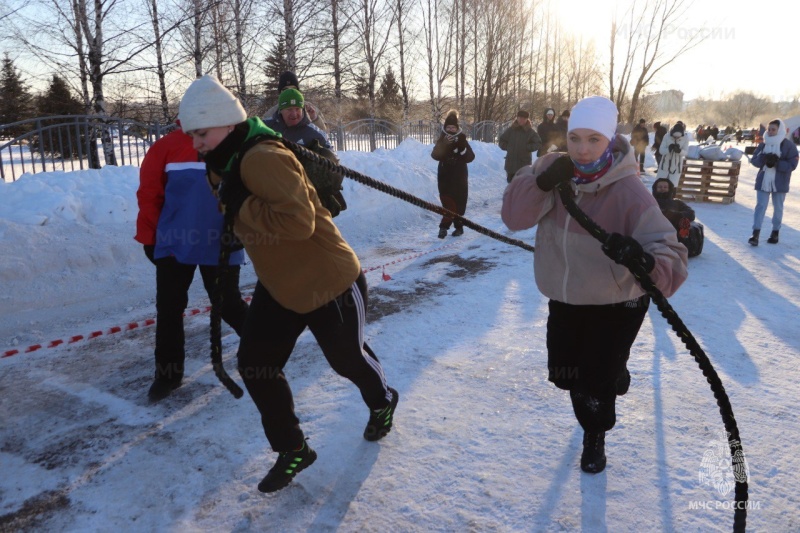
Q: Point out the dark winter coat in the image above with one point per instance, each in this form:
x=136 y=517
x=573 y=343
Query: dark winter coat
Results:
x=660 y=131
x=304 y=132
x=519 y=142
x=681 y=216
x=640 y=137
x=453 y=158
x=563 y=125
x=548 y=133
x=783 y=169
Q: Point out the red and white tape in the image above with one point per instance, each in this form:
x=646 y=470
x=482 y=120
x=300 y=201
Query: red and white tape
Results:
x=190 y=312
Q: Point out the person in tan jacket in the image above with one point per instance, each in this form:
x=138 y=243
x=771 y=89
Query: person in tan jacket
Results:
x=596 y=306
x=308 y=276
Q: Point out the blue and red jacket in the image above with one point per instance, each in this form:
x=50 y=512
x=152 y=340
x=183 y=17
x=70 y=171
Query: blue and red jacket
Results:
x=177 y=211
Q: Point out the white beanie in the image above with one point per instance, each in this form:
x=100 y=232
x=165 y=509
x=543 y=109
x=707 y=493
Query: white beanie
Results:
x=208 y=104
x=596 y=113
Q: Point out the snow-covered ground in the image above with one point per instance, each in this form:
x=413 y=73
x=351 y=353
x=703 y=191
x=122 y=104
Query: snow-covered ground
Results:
x=482 y=442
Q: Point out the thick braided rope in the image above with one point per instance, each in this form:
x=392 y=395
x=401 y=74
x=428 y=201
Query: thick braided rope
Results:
x=725 y=409
x=216 y=310
x=304 y=153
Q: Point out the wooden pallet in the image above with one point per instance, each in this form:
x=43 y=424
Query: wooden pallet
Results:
x=708 y=181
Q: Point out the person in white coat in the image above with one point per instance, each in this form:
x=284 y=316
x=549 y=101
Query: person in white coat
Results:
x=673 y=151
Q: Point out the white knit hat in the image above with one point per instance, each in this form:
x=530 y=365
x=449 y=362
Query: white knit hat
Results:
x=208 y=104
x=596 y=113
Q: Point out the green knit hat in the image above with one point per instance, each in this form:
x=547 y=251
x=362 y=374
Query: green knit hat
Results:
x=290 y=98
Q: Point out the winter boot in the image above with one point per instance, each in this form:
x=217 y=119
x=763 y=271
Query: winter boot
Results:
x=754 y=239
x=773 y=237
x=286 y=467
x=458 y=232
x=442 y=233
x=380 y=420
x=161 y=388
x=593 y=458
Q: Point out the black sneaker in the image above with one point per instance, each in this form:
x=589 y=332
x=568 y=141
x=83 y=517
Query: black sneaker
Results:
x=380 y=421
x=458 y=232
x=286 y=467
x=442 y=233
x=161 y=388
x=593 y=458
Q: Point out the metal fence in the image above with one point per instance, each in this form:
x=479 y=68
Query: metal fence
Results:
x=77 y=142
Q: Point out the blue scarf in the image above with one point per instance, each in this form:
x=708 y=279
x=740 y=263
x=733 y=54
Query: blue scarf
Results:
x=589 y=172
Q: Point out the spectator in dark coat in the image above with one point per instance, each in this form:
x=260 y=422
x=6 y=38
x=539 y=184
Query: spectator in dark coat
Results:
x=640 y=138
x=690 y=233
x=660 y=131
x=519 y=141
x=562 y=123
x=453 y=152
x=548 y=132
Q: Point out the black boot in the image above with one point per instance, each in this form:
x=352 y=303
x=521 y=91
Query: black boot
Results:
x=593 y=458
x=442 y=233
x=754 y=239
x=773 y=237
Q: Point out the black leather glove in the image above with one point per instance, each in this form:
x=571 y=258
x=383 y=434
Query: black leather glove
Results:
x=561 y=170
x=149 y=251
x=770 y=160
x=232 y=194
x=675 y=148
x=628 y=252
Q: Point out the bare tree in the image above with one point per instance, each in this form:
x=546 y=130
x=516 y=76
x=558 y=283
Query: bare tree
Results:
x=645 y=50
x=372 y=25
x=742 y=109
x=401 y=14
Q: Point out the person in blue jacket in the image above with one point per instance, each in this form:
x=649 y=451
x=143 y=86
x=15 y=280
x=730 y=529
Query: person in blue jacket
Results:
x=776 y=158
x=180 y=226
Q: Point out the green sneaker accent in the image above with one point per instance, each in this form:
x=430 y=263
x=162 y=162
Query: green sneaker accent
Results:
x=288 y=465
x=380 y=422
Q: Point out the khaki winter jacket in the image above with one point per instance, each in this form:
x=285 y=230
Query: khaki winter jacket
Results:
x=569 y=264
x=297 y=251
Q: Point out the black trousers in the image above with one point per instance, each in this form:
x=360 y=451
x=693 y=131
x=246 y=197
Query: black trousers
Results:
x=173 y=280
x=587 y=353
x=453 y=194
x=269 y=336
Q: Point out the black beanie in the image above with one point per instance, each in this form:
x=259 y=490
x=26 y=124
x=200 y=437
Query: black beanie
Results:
x=522 y=113
x=288 y=79
x=452 y=118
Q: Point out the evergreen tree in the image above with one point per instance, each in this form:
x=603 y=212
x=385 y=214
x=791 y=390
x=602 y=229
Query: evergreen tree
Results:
x=15 y=100
x=58 y=100
x=389 y=100
x=275 y=64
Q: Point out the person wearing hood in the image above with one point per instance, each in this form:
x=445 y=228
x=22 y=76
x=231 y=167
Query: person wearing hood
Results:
x=776 y=157
x=673 y=151
x=308 y=275
x=548 y=132
x=596 y=306
x=519 y=141
x=690 y=233
x=453 y=153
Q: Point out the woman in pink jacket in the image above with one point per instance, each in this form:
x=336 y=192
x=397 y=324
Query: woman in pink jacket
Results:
x=596 y=306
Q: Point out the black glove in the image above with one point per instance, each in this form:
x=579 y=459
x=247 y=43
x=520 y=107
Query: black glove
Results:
x=232 y=194
x=675 y=148
x=628 y=252
x=770 y=160
x=149 y=251
x=561 y=170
